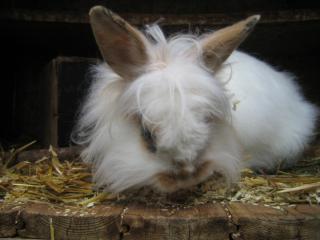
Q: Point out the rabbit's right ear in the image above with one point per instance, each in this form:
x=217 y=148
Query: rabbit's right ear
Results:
x=218 y=46
x=122 y=46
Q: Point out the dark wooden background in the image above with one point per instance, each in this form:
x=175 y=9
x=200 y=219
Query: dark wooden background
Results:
x=33 y=33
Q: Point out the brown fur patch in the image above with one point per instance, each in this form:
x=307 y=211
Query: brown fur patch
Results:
x=182 y=172
x=167 y=181
x=202 y=170
x=171 y=182
x=147 y=139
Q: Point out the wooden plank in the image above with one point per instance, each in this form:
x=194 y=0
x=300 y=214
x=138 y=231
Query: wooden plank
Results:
x=18 y=238
x=280 y=16
x=204 y=222
x=123 y=222
x=9 y=220
x=70 y=223
x=50 y=105
x=67 y=153
x=201 y=222
x=66 y=83
x=258 y=222
x=307 y=218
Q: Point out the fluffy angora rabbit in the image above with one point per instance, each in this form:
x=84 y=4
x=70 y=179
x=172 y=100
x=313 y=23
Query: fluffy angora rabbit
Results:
x=168 y=113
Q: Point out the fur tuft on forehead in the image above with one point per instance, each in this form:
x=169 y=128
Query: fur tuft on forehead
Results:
x=175 y=80
x=166 y=51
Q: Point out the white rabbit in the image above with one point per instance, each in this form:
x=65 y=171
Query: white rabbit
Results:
x=169 y=113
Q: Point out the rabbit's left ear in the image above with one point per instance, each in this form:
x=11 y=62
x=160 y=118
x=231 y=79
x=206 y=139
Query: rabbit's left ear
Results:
x=122 y=46
x=218 y=46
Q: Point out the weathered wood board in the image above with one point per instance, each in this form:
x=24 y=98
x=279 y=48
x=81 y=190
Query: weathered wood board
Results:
x=217 y=18
x=66 y=82
x=209 y=221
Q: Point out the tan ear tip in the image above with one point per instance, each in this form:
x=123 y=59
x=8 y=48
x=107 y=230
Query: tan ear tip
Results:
x=95 y=9
x=256 y=17
x=99 y=10
x=252 y=21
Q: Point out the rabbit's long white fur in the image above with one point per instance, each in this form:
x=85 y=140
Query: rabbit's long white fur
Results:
x=174 y=94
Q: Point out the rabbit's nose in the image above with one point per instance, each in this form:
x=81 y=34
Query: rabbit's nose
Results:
x=189 y=168
x=184 y=168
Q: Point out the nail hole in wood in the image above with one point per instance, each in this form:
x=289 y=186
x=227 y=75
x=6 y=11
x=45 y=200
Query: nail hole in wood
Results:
x=125 y=228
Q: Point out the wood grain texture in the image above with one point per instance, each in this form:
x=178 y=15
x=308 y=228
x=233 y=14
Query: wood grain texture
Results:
x=9 y=220
x=68 y=153
x=70 y=223
x=280 y=16
x=257 y=222
x=203 y=222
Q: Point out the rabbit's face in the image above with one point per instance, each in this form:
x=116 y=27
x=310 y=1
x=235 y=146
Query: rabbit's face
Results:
x=177 y=107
